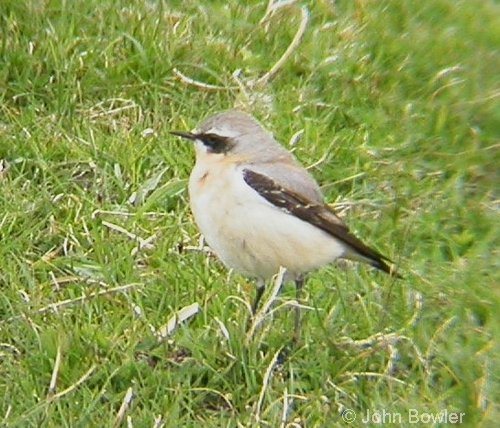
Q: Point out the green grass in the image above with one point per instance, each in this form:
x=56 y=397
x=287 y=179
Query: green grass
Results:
x=400 y=102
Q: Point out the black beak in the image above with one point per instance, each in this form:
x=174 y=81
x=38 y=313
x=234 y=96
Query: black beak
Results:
x=188 y=135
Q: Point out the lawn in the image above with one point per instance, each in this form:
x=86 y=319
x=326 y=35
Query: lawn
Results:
x=394 y=108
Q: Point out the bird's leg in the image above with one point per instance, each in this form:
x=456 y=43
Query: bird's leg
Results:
x=299 y=282
x=258 y=296
x=255 y=303
x=285 y=352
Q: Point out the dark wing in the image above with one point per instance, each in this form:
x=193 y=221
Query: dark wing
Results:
x=317 y=214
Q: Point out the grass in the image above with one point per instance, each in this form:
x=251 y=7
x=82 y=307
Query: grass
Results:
x=398 y=104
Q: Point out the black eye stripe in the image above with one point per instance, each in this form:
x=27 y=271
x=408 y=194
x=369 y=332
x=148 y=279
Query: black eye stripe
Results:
x=215 y=143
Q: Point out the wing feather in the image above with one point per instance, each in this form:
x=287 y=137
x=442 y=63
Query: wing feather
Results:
x=316 y=213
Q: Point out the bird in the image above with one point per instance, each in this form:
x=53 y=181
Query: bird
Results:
x=259 y=209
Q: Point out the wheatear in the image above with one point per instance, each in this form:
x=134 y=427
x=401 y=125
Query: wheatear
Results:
x=259 y=209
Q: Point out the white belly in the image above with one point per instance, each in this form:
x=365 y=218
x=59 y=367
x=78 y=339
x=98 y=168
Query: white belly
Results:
x=251 y=235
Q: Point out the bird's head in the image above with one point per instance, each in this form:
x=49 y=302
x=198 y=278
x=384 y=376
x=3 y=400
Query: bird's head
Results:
x=232 y=133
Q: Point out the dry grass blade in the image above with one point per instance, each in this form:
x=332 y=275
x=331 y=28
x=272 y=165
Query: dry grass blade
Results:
x=179 y=317
x=273 y=6
x=265 y=383
x=441 y=329
x=127 y=399
x=284 y=414
x=55 y=371
x=377 y=339
x=262 y=81
x=293 y=45
x=86 y=375
x=263 y=312
x=353 y=377
x=205 y=86
x=142 y=243
x=58 y=305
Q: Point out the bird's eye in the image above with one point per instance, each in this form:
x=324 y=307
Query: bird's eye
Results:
x=215 y=143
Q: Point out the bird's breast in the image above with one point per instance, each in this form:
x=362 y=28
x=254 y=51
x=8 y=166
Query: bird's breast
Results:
x=248 y=233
